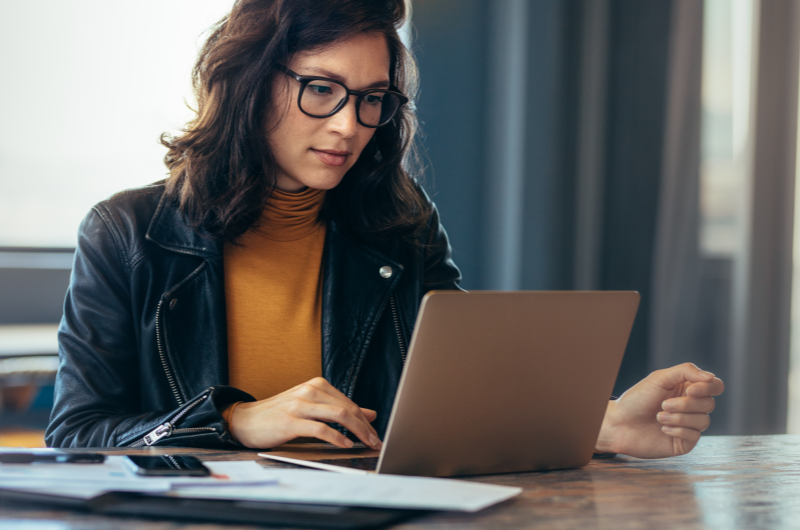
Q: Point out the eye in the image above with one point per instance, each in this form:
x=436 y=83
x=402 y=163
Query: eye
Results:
x=321 y=89
x=373 y=99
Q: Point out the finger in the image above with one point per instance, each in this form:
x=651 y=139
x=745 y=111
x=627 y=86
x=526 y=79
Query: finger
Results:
x=315 y=429
x=670 y=378
x=713 y=388
x=369 y=414
x=689 y=404
x=319 y=391
x=324 y=386
x=364 y=429
x=691 y=436
x=699 y=422
x=342 y=416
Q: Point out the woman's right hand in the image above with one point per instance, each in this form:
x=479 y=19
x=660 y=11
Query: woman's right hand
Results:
x=302 y=411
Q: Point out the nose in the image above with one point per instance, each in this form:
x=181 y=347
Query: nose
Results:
x=345 y=121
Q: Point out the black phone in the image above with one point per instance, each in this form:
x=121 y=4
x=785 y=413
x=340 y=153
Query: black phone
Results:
x=167 y=466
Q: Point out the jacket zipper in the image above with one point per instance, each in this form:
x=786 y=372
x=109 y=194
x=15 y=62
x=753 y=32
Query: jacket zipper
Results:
x=397 y=328
x=400 y=342
x=167 y=429
x=163 y=355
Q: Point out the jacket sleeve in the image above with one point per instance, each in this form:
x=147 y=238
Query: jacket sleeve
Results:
x=98 y=387
x=441 y=272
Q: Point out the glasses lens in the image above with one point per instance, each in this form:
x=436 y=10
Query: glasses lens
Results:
x=320 y=98
x=378 y=107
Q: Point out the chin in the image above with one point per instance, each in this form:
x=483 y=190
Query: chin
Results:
x=323 y=182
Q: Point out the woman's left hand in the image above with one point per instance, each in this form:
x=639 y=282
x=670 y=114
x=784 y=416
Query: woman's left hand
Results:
x=662 y=415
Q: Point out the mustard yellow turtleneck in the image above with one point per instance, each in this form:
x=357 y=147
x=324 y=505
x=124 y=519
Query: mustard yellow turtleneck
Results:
x=273 y=296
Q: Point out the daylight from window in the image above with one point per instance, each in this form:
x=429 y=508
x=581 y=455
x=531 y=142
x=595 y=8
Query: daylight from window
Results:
x=725 y=105
x=88 y=87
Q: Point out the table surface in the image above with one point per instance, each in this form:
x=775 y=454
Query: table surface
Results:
x=726 y=482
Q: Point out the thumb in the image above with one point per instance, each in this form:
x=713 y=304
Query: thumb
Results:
x=683 y=373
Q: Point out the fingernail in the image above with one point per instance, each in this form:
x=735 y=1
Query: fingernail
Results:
x=708 y=374
x=663 y=417
x=348 y=442
x=373 y=441
x=666 y=429
x=668 y=406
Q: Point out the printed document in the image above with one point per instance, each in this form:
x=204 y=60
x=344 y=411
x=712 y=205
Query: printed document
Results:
x=248 y=480
x=377 y=491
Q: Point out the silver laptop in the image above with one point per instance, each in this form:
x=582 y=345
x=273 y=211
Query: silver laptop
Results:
x=500 y=382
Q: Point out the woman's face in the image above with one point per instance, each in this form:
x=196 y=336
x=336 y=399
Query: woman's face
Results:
x=317 y=152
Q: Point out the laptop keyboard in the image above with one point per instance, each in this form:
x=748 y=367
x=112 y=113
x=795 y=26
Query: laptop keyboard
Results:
x=367 y=464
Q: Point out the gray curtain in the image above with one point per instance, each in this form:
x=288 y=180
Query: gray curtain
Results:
x=676 y=269
x=758 y=388
x=753 y=306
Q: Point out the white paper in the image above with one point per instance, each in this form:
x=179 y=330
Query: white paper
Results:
x=229 y=474
x=110 y=475
x=85 y=491
x=248 y=480
x=88 y=480
x=381 y=491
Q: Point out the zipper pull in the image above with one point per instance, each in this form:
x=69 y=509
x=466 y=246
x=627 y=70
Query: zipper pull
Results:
x=162 y=431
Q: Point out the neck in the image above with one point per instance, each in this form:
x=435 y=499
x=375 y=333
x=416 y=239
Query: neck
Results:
x=288 y=185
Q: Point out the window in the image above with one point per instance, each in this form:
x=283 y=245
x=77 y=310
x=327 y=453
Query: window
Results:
x=88 y=87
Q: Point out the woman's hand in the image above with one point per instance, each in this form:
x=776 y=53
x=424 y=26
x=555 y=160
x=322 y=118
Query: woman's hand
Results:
x=662 y=415
x=302 y=411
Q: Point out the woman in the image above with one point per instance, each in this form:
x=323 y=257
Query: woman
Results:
x=286 y=255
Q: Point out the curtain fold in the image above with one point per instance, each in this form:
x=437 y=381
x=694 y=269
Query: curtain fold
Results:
x=676 y=269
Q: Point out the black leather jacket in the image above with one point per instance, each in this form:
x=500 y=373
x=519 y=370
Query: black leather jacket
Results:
x=143 y=341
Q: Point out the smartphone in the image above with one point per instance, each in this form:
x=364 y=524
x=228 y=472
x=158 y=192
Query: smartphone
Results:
x=167 y=466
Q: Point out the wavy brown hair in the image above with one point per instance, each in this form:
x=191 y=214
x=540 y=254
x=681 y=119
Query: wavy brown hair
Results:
x=221 y=168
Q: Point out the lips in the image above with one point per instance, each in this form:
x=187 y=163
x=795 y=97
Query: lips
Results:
x=331 y=157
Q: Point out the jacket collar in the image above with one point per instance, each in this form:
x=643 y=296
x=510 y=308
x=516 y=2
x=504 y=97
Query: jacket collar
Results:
x=169 y=230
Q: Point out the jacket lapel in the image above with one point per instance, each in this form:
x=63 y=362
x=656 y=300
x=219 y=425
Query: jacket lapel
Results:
x=355 y=295
x=193 y=308
x=196 y=329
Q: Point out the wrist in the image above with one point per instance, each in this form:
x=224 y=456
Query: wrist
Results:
x=606 y=439
x=229 y=421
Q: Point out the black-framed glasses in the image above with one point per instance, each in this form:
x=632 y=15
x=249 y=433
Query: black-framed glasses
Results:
x=322 y=97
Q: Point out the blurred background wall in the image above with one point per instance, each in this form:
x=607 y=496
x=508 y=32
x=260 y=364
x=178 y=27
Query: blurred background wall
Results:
x=569 y=144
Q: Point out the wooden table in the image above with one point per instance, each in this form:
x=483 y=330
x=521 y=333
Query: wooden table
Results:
x=726 y=482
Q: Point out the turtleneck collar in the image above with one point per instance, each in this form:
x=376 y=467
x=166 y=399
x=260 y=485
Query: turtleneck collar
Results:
x=291 y=216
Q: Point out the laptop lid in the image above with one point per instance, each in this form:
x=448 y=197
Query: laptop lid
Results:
x=499 y=382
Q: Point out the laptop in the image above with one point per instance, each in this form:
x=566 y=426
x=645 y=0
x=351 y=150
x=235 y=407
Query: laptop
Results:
x=502 y=382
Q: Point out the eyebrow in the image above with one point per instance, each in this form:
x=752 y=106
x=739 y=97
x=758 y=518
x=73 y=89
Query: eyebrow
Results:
x=327 y=73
